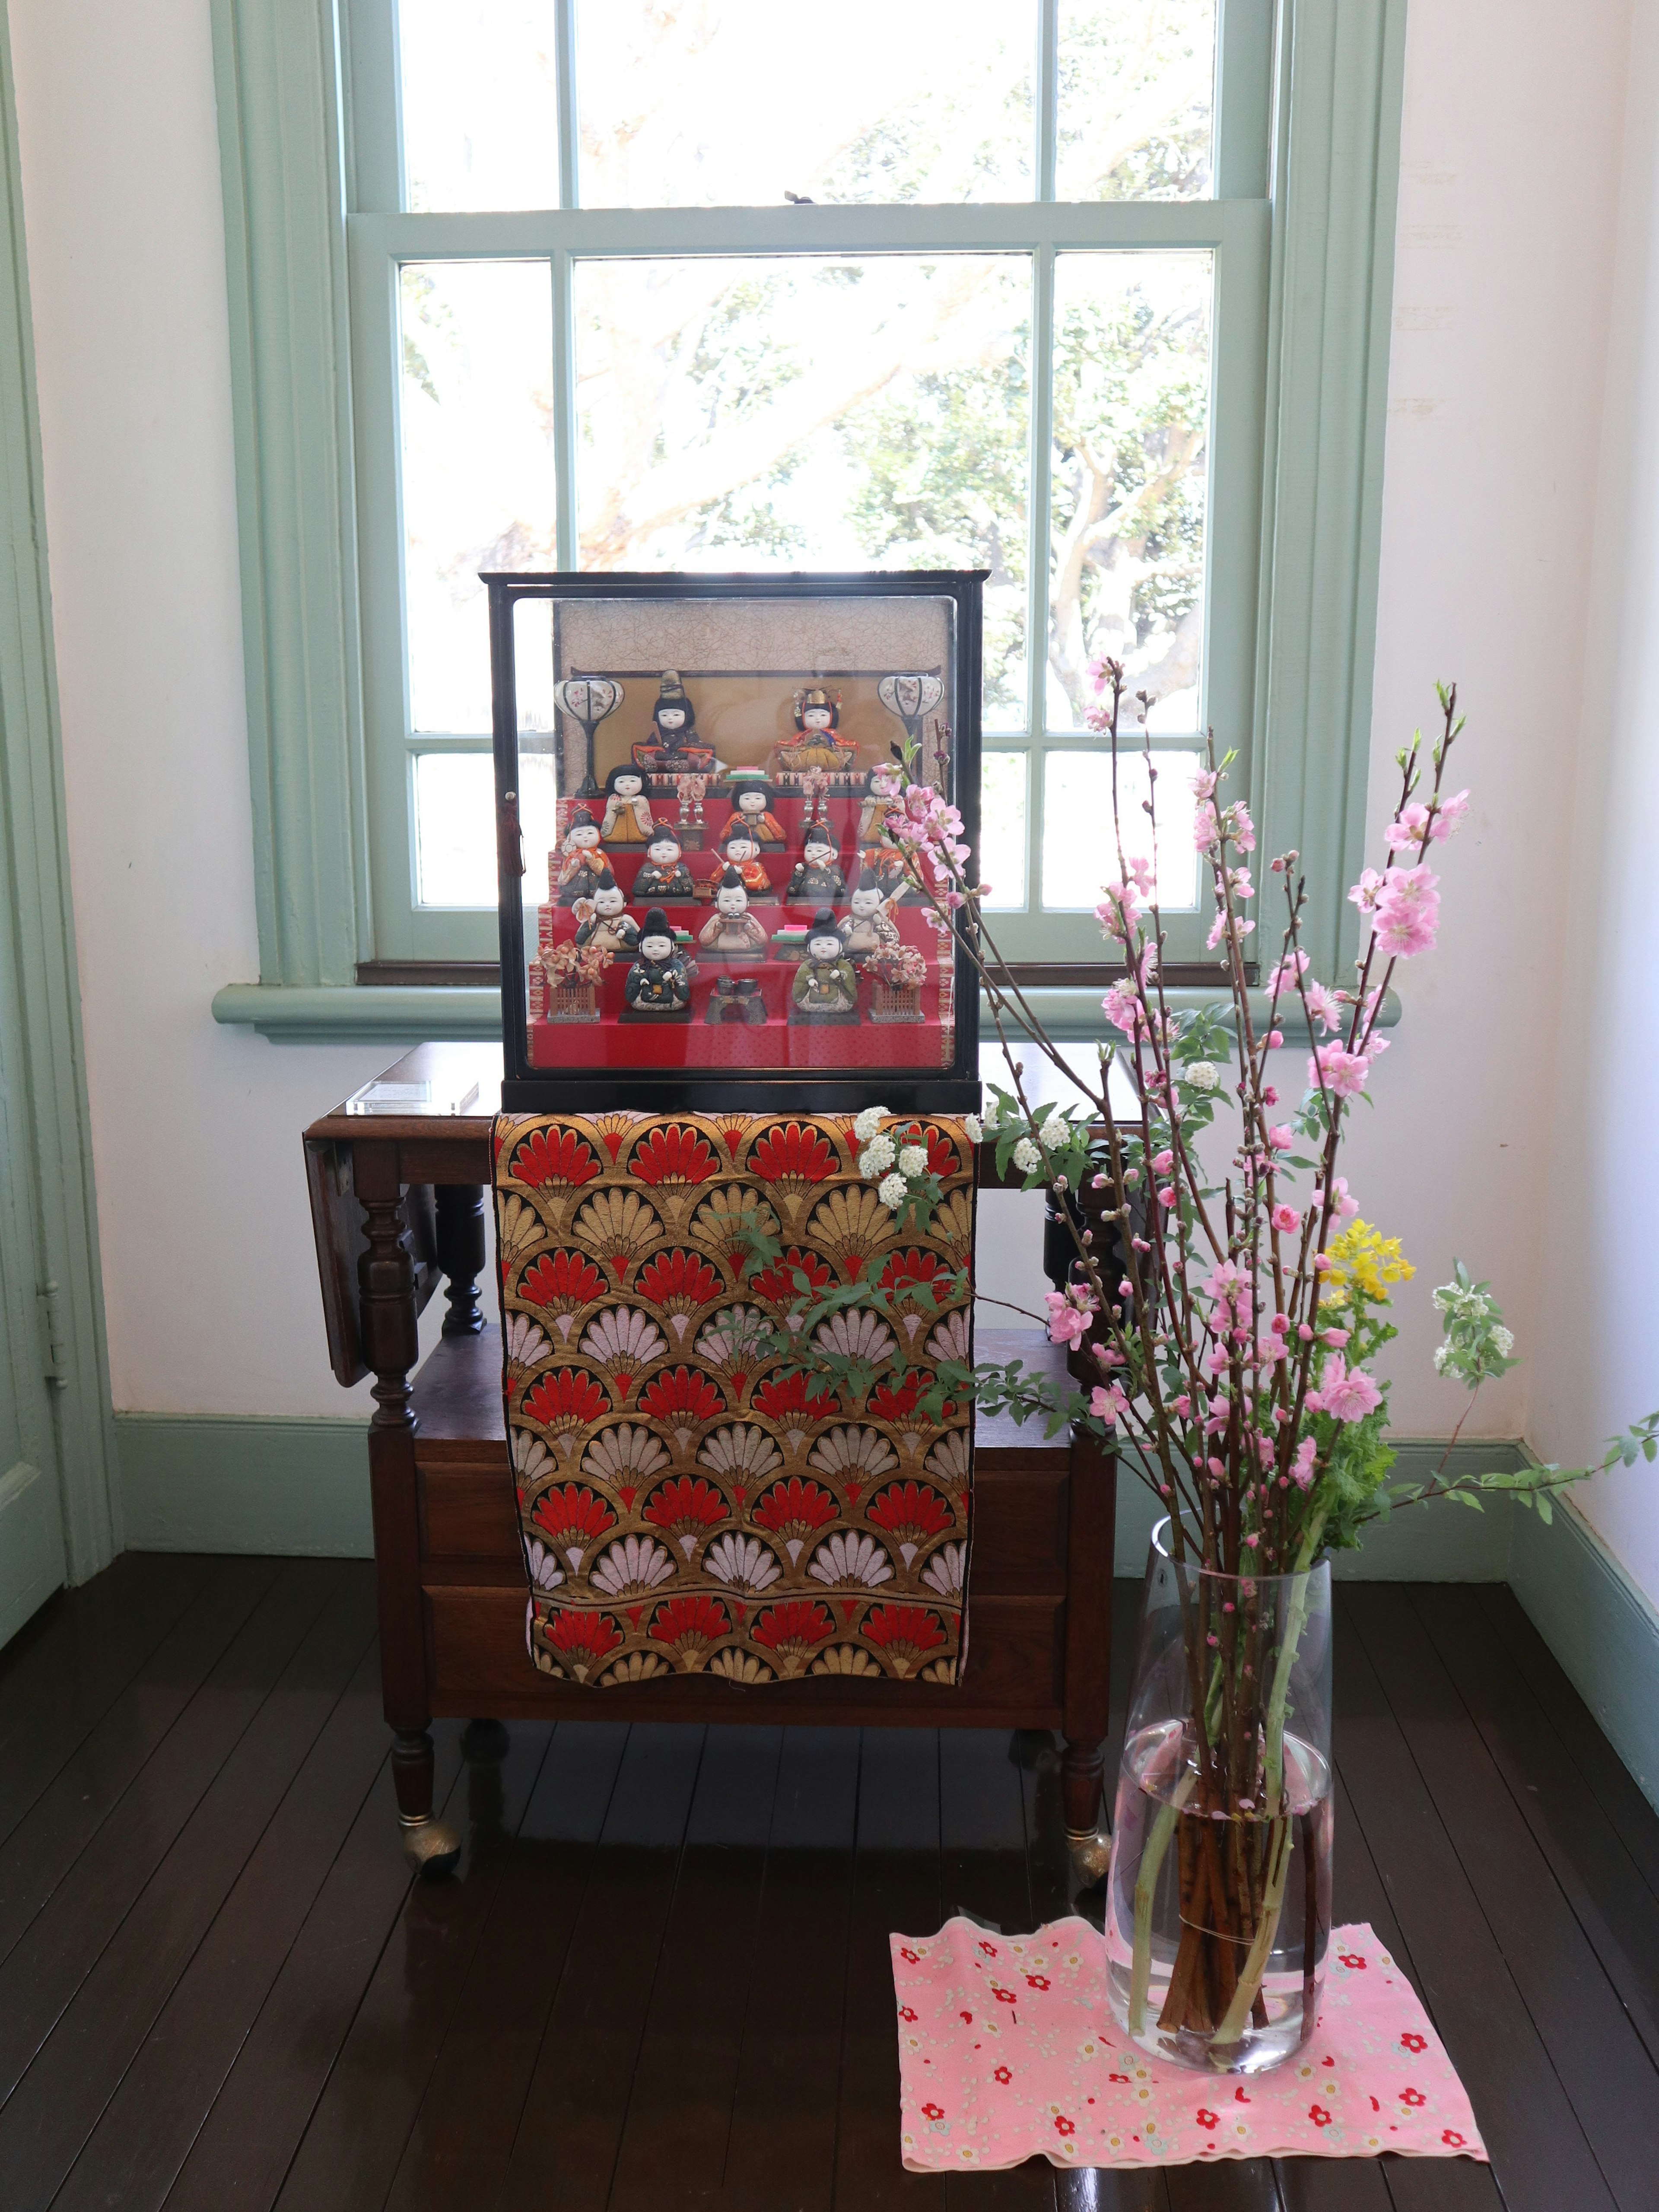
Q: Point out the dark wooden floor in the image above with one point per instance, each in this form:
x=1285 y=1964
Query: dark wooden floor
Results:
x=661 y=1977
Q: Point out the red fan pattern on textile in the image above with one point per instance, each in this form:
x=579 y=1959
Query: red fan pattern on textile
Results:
x=684 y=1485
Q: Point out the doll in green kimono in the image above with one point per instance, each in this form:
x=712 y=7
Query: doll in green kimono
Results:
x=826 y=986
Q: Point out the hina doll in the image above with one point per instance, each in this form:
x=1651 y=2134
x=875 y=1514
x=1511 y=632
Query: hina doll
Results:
x=816 y=744
x=627 y=810
x=610 y=925
x=584 y=860
x=659 y=984
x=867 y=925
x=743 y=854
x=673 y=749
x=752 y=797
x=731 y=931
x=663 y=875
x=826 y=984
x=817 y=878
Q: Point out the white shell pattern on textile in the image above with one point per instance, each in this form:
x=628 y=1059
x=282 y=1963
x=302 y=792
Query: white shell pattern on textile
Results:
x=735 y=1334
x=740 y=1450
x=860 y=1334
x=544 y=1569
x=842 y=1450
x=615 y=1453
x=624 y=1336
x=530 y=1457
x=742 y=1560
x=852 y=1558
x=633 y=1563
x=526 y=1344
x=943 y=1571
x=950 y=1340
x=947 y=1462
x=520 y=1230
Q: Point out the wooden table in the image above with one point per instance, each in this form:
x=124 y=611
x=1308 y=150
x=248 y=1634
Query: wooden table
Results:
x=398 y=1205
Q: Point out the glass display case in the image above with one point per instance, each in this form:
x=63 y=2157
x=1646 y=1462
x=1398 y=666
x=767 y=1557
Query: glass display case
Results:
x=702 y=902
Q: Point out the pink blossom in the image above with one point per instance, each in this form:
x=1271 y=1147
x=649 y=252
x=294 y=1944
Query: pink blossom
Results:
x=1281 y=1137
x=1449 y=817
x=1408 y=912
x=1123 y=1009
x=1364 y=893
x=1204 y=783
x=1302 y=1466
x=1068 y=1313
x=1336 y=1337
x=1323 y=1006
x=1183 y=1406
x=1342 y=1072
x=1280 y=1324
x=1269 y=1096
x=1243 y=829
x=1163 y=1163
x=1275 y=1038
x=1409 y=826
x=1166 y=1197
x=1205 y=828
x=1347 y=1207
x=1286 y=1219
x=1284 y=975
x=1106 y=1402
x=1344 y=1396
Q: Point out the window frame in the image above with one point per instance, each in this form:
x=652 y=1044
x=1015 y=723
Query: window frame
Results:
x=1302 y=230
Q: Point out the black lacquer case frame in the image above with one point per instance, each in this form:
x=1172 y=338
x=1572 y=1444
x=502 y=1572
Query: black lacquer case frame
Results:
x=758 y=1025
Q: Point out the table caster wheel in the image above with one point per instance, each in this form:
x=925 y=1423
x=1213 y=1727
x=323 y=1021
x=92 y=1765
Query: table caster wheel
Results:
x=430 y=1847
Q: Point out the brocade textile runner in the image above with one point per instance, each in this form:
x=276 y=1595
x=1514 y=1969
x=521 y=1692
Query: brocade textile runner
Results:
x=1007 y=2052
x=686 y=1505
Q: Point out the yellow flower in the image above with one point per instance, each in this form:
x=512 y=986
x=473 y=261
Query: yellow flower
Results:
x=1365 y=1263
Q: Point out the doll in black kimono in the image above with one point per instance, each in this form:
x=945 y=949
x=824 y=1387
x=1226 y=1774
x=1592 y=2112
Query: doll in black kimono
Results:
x=659 y=984
x=663 y=876
x=817 y=878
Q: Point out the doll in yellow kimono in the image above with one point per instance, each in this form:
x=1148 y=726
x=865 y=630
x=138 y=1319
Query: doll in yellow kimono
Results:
x=627 y=810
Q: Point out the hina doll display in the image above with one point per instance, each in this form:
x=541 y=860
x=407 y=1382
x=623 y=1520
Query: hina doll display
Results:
x=663 y=875
x=816 y=743
x=731 y=931
x=867 y=925
x=659 y=984
x=674 y=750
x=816 y=878
x=743 y=854
x=751 y=799
x=584 y=858
x=627 y=810
x=826 y=984
x=610 y=925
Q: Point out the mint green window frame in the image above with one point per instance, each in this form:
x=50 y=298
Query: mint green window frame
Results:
x=1301 y=232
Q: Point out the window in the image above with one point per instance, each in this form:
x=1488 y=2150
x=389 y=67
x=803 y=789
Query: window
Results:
x=733 y=286
x=1095 y=293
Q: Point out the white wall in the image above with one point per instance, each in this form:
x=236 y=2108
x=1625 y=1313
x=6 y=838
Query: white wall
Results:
x=1515 y=132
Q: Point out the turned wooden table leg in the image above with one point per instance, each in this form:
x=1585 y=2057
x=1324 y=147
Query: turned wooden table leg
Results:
x=1092 y=1535
x=460 y=1207
x=387 y=1322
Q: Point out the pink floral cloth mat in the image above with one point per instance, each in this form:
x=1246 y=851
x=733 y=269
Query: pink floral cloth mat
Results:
x=1006 y=2050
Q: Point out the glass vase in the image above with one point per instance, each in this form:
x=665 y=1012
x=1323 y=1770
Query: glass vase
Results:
x=1219 y=1906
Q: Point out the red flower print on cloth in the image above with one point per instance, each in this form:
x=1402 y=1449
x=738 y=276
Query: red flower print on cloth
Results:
x=689 y=1626
x=1410 y=2042
x=571 y=1518
x=778 y=1285
x=553 y=1156
x=907 y=2012
x=1352 y=1960
x=684 y=1508
x=908 y=1271
x=793 y=1508
x=1073 y=2091
x=679 y=1282
x=910 y=1513
x=1037 y=1981
x=674 y=1155
x=680 y=1396
x=794 y=1155
x=933 y=2111
x=911 y=1958
x=793 y=1401
x=583 y=1639
x=792 y=1628
x=1413 y=2098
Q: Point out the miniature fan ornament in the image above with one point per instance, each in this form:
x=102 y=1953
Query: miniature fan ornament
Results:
x=588 y=701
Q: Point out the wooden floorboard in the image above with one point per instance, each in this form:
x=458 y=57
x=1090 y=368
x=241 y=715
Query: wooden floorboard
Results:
x=660 y=1977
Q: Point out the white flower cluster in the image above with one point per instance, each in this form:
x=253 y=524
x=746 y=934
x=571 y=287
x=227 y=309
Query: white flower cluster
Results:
x=913 y=1160
x=1026 y=1157
x=1202 y=1075
x=876 y=1158
x=868 y=1122
x=974 y=1127
x=893 y=1191
x=1477 y=1345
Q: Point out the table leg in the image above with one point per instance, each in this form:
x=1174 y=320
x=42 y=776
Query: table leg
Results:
x=1092 y=1533
x=461 y=1253
x=386 y=1284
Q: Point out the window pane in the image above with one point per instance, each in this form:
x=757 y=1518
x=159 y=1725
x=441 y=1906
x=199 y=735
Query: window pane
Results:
x=455 y=824
x=1137 y=96
x=1079 y=850
x=736 y=103
x=477 y=467
x=480 y=103
x=1002 y=829
x=812 y=413
x=1132 y=404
